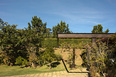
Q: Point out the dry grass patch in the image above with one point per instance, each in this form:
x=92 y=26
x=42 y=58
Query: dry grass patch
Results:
x=66 y=52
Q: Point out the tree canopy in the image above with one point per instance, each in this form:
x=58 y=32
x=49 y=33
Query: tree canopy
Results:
x=37 y=22
x=99 y=29
x=60 y=28
x=21 y=46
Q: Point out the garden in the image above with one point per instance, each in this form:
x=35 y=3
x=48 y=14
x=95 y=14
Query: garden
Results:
x=35 y=50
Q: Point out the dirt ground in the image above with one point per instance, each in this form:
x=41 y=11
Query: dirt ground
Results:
x=66 y=52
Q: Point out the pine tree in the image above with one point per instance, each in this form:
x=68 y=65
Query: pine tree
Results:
x=60 y=28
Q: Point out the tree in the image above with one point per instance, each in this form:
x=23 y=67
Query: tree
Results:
x=8 y=42
x=1 y=23
x=21 y=46
x=32 y=39
x=40 y=26
x=15 y=43
x=48 y=32
x=99 y=29
x=60 y=28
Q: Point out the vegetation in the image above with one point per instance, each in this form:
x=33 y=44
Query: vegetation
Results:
x=97 y=60
x=48 y=56
x=38 y=24
x=21 y=47
x=103 y=58
x=111 y=61
x=17 y=70
x=60 y=28
x=71 y=58
x=99 y=29
x=21 y=61
x=53 y=42
x=84 y=58
x=96 y=29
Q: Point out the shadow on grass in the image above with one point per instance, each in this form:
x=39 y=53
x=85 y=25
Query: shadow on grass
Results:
x=74 y=72
x=54 y=64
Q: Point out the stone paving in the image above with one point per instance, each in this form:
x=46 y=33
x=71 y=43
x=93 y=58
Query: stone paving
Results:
x=54 y=74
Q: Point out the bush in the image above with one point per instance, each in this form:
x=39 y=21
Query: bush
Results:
x=99 y=55
x=111 y=61
x=21 y=61
x=70 y=60
x=48 y=56
x=84 y=58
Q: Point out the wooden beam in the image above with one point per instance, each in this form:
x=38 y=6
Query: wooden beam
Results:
x=84 y=35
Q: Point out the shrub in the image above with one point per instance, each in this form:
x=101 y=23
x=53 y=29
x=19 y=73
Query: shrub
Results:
x=21 y=61
x=111 y=61
x=48 y=56
x=24 y=62
x=99 y=55
x=84 y=58
x=70 y=60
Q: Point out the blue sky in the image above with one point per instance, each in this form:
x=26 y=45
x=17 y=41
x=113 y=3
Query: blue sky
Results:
x=81 y=15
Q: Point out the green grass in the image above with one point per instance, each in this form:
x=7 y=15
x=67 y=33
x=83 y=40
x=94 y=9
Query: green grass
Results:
x=17 y=70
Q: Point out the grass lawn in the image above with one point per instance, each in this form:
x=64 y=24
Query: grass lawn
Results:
x=17 y=70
